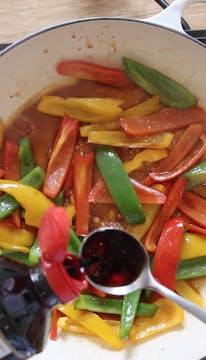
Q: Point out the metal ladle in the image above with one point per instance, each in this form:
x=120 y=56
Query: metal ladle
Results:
x=117 y=263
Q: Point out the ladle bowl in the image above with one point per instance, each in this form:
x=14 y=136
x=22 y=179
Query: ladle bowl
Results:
x=118 y=264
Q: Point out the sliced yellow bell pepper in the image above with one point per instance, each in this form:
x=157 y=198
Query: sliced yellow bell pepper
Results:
x=185 y=290
x=110 y=125
x=167 y=316
x=119 y=138
x=146 y=107
x=32 y=200
x=193 y=245
x=89 y=110
x=15 y=239
x=198 y=284
x=67 y=324
x=145 y=155
x=92 y=322
x=71 y=210
x=159 y=187
x=150 y=211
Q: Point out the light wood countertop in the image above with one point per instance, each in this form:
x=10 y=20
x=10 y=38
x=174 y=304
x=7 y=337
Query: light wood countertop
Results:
x=21 y=17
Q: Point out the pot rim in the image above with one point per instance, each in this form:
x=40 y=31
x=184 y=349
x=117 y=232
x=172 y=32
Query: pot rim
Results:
x=95 y=18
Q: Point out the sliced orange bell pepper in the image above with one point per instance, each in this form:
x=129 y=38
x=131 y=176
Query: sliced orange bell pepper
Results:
x=93 y=323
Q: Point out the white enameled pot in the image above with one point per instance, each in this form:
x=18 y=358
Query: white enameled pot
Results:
x=27 y=68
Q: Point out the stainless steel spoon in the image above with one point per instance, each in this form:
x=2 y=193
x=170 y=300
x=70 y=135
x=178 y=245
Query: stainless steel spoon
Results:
x=117 y=263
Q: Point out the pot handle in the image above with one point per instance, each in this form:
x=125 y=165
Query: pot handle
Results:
x=171 y=16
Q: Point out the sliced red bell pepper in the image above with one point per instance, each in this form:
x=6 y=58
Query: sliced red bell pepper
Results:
x=61 y=156
x=90 y=71
x=53 y=240
x=172 y=202
x=99 y=193
x=10 y=161
x=168 y=251
x=194 y=207
x=82 y=182
x=16 y=217
x=11 y=168
x=165 y=119
x=147 y=195
x=67 y=186
x=54 y=234
x=94 y=291
x=181 y=168
x=195 y=228
x=1 y=173
x=53 y=329
x=180 y=150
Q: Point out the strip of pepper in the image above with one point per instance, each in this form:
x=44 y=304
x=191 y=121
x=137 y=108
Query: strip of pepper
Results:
x=119 y=185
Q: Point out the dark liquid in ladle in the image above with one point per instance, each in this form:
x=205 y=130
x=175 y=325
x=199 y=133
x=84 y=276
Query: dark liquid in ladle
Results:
x=112 y=259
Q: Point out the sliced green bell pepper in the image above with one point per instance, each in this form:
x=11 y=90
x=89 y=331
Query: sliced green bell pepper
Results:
x=119 y=184
x=156 y=83
x=111 y=305
x=35 y=252
x=59 y=199
x=191 y=268
x=196 y=175
x=15 y=255
x=27 y=163
x=74 y=243
x=129 y=308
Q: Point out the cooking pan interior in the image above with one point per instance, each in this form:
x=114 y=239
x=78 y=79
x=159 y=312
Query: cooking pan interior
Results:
x=28 y=67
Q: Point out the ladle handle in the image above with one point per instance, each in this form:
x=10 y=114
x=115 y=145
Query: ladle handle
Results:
x=194 y=309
